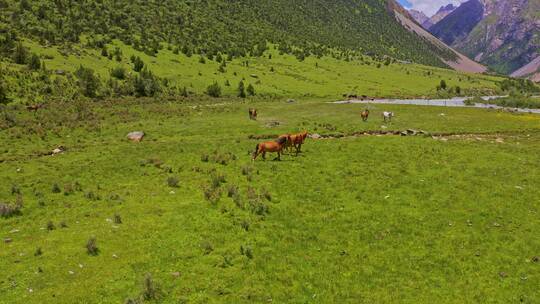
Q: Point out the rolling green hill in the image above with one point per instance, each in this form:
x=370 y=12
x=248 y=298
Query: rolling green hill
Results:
x=235 y=28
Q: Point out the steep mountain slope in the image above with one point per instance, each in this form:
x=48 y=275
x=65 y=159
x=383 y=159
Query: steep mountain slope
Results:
x=506 y=37
x=419 y=16
x=459 y=23
x=237 y=28
x=459 y=63
x=530 y=70
x=440 y=15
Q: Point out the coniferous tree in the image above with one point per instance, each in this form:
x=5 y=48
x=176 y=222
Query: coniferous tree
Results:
x=251 y=90
x=443 y=85
x=34 y=63
x=214 y=90
x=21 y=54
x=3 y=93
x=241 y=90
x=138 y=64
x=88 y=81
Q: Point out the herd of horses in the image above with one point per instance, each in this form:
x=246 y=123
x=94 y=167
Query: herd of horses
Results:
x=288 y=142
x=285 y=142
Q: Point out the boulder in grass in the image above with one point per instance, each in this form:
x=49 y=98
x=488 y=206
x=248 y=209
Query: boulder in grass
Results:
x=136 y=136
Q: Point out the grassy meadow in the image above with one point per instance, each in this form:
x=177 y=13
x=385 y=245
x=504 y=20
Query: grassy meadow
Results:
x=370 y=219
x=272 y=74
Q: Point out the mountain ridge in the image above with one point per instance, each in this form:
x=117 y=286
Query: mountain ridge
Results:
x=506 y=37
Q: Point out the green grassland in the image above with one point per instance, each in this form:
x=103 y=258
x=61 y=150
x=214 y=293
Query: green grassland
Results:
x=371 y=219
x=271 y=75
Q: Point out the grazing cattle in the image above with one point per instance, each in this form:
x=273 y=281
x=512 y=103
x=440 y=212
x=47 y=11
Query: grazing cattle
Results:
x=253 y=114
x=365 y=115
x=276 y=146
x=387 y=116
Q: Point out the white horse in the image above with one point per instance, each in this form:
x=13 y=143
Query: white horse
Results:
x=387 y=116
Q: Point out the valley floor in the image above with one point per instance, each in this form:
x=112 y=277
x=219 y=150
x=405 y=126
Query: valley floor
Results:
x=370 y=219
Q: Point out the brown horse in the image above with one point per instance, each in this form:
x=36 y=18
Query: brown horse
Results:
x=288 y=143
x=34 y=107
x=271 y=146
x=297 y=140
x=253 y=114
x=365 y=115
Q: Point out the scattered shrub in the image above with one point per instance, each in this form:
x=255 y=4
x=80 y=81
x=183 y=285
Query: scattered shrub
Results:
x=91 y=246
x=63 y=224
x=207 y=247
x=68 y=189
x=88 y=82
x=119 y=73
x=56 y=188
x=217 y=180
x=38 y=252
x=173 y=181
x=232 y=190
x=443 y=85
x=212 y=195
x=246 y=251
x=246 y=170
x=15 y=189
x=205 y=158
x=149 y=291
x=267 y=195
x=214 y=90
x=9 y=210
x=250 y=90
x=237 y=199
x=138 y=64
x=50 y=226
x=92 y=196
x=117 y=219
x=245 y=225
x=241 y=90
x=34 y=63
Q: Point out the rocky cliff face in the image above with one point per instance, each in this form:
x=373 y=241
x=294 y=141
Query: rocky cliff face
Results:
x=427 y=22
x=506 y=36
x=420 y=17
x=440 y=15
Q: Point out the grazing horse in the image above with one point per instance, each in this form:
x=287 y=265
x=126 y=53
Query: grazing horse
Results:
x=387 y=116
x=253 y=114
x=271 y=146
x=365 y=115
x=289 y=142
x=298 y=139
x=34 y=107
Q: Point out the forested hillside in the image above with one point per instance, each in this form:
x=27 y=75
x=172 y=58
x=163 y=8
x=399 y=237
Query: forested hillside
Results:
x=235 y=28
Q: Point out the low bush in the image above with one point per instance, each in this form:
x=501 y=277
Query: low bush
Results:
x=9 y=210
x=173 y=181
x=91 y=246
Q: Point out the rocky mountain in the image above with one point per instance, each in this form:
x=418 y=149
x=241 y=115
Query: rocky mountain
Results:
x=458 y=24
x=419 y=16
x=530 y=70
x=460 y=62
x=503 y=34
x=441 y=13
x=427 y=22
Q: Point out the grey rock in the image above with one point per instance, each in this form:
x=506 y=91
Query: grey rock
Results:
x=136 y=136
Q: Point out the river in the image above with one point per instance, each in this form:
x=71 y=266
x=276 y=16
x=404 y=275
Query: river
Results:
x=452 y=102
